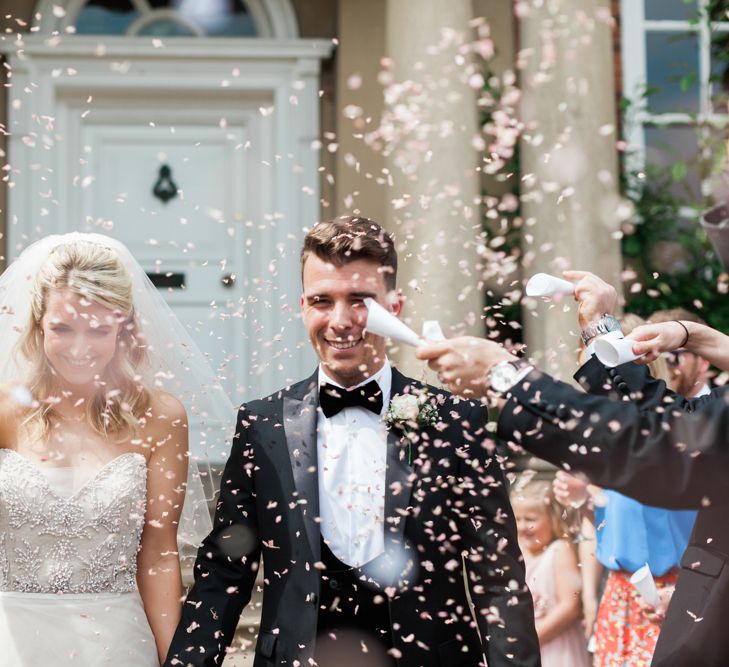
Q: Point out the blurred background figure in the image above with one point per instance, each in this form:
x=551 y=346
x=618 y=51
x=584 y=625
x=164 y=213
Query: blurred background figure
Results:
x=628 y=535
x=552 y=574
x=576 y=496
x=689 y=377
x=689 y=373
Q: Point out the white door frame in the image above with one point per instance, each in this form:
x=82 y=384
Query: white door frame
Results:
x=285 y=71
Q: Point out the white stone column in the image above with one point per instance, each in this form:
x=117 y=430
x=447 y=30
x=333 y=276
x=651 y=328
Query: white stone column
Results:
x=361 y=185
x=430 y=124
x=570 y=197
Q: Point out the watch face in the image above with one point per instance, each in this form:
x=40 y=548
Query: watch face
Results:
x=502 y=377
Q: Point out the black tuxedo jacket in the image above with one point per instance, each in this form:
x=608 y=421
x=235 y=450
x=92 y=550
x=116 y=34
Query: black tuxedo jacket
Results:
x=639 y=438
x=449 y=511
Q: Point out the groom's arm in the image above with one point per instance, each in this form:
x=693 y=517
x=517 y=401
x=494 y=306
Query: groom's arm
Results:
x=494 y=564
x=226 y=565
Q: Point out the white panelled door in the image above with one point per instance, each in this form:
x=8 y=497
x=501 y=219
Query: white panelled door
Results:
x=238 y=152
x=192 y=245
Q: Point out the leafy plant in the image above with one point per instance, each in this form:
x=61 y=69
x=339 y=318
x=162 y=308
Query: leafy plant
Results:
x=669 y=254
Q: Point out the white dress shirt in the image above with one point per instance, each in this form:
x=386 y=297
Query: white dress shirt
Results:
x=705 y=390
x=352 y=453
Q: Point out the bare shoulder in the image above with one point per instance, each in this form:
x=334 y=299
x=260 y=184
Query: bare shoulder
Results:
x=564 y=552
x=166 y=424
x=166 y=407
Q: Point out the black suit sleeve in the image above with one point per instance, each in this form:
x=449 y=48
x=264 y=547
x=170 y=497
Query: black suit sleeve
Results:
x=634 y=382
x=226 y=565
x=494 y=565
x=639 y=438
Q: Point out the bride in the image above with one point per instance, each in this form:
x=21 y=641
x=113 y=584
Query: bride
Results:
x=93 y=456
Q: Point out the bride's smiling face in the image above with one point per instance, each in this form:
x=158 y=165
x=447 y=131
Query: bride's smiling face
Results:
x=79 y=336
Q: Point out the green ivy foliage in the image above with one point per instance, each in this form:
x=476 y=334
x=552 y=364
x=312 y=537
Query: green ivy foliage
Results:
x=694 y=278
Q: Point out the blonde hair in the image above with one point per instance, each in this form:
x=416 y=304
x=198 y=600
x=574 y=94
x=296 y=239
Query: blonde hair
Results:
x=537 y=492
x=94 y=272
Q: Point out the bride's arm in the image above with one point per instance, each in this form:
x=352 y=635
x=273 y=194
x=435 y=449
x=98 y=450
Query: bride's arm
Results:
x=158 y=574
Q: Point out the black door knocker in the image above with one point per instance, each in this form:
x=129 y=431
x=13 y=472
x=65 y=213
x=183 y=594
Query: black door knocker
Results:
x=165 y=188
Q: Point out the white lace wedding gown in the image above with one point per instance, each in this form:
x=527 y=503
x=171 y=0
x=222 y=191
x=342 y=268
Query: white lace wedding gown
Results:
x=68 y=564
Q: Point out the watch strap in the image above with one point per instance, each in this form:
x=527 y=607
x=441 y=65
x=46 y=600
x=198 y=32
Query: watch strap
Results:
x=604 y=325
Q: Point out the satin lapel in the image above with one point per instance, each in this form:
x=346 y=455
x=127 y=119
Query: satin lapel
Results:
x=299 y=413
x=399 y=475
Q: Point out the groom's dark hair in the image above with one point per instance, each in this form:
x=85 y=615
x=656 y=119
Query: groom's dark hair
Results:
x=349 y=238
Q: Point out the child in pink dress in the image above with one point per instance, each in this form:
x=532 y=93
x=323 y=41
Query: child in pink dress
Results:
x=552 y=575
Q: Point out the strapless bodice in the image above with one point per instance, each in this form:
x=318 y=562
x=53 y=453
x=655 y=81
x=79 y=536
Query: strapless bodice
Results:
x=58 y=539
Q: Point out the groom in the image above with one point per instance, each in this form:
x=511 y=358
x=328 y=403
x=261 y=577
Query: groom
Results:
x=375 y=526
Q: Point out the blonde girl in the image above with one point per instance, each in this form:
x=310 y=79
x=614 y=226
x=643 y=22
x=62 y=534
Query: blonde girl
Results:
x=552 y=574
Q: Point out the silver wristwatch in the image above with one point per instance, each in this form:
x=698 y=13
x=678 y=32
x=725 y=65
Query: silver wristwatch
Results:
x=604 y=325
x=504 y=375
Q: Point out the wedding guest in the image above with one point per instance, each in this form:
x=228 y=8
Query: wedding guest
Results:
x=686 y=375
x=630 y=534
x=575 y=495
x=552 y=574
x=380 y=513
x=631 y=433
x=689 y=371
x=689 y=377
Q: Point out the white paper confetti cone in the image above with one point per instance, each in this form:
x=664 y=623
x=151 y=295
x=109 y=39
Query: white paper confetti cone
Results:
x=542 y=284
x=642 y=579
x=615 y=351
x=383 y=323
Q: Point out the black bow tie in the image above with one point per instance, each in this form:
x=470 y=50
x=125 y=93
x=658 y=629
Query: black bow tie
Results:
x=333 y=399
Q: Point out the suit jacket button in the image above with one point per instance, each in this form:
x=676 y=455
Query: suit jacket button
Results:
x=550 y=408
x=623 y=386
x=617 y=378
x=562 y=412
x=611 y=372
x=333 y=584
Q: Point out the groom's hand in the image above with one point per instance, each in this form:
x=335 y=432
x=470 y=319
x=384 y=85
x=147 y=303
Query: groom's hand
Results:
x=463 y=363
x=596 y=297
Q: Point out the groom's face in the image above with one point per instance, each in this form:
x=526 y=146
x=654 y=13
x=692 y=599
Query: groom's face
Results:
x=334 y=314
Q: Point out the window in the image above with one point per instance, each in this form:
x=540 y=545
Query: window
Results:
x=166 y=18
x=676 y=79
